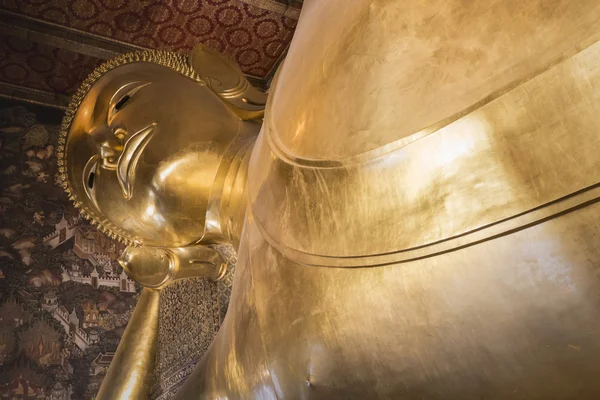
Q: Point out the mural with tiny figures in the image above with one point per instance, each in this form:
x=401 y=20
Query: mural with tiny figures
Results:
x=64 y=299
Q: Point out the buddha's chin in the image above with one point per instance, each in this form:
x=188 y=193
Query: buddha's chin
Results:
x=163 y=225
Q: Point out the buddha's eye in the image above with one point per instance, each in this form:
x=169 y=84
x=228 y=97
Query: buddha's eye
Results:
x=91 y=179
x=122 y=97
x=122 y=102
x=118 y=106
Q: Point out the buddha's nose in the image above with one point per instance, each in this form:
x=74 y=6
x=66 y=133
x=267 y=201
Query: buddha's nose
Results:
x=109 y=144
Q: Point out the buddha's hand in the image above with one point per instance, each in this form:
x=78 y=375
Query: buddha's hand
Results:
x=156 y=267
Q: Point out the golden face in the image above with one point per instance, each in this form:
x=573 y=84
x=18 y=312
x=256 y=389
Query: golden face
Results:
x=143 y=150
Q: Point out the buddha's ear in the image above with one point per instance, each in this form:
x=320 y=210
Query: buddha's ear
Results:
x=227 y=80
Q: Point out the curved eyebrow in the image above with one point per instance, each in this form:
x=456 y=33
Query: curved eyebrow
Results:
x=117 y=101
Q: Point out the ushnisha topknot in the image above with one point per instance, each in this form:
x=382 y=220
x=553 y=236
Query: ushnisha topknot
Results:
x=177 y=62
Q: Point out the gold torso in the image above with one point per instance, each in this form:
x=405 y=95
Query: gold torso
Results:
x=344 y=183
x=447 y=251
x=525 y=154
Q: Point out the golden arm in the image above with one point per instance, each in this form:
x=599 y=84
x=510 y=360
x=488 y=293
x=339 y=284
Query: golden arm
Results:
x=130 y=374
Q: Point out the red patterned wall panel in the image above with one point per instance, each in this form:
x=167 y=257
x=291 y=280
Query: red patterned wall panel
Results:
x=254 y=37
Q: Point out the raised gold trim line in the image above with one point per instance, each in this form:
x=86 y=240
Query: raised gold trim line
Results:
x=563 y=205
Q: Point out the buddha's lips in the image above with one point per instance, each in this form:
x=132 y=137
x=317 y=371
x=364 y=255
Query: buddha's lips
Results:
x=128 y=160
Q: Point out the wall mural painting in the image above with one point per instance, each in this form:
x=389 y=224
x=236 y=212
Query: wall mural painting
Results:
x=64 y=300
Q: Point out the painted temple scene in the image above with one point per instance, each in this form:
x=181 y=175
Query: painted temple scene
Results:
x=65 y=300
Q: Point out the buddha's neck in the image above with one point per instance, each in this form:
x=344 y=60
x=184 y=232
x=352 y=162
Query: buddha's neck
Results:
x=225 y=218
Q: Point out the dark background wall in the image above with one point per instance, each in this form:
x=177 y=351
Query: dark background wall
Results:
x=63 y=300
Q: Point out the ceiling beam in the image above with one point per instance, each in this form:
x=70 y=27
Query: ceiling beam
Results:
x=34 y=96
x=55 y=35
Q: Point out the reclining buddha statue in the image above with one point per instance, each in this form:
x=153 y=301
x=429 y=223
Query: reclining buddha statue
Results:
x=415 y=210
